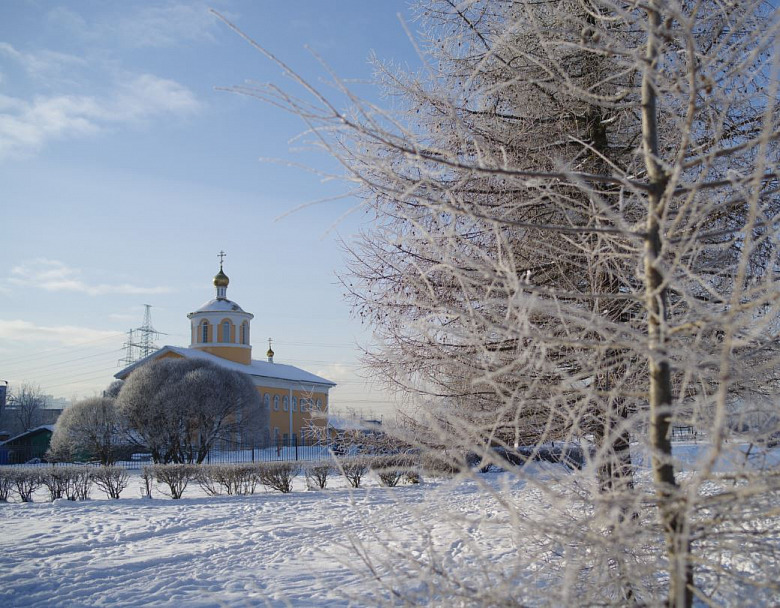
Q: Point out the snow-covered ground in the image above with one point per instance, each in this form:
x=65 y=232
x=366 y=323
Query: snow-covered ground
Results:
x=269 y=549
x=266 y=549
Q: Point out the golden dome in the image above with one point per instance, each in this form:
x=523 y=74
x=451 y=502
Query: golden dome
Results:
x=221 y=279
x=269 y=354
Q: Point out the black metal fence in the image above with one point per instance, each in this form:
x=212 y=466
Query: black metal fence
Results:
x=223 y=452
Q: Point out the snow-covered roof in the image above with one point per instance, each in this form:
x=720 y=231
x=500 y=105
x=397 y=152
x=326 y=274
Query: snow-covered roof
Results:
x=43 y=427
x=257 y=369
x=220 y=305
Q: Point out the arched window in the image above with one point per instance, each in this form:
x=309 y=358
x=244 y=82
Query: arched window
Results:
x=295 y=403
x=285 y=404
x=267 y=402
x=276 y=403
x=225 y=332
x=245 y=333
x=319 y=404
x=204 y=331
x=303 y=404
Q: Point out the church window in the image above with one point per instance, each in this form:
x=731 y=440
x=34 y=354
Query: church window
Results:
x=319 y=404
x=245 y=333
x=267 y=402
x=295 y=403
x=285 y=404
x=204 y=331
x=225 y=331
x=303 y=404
x=276 y=403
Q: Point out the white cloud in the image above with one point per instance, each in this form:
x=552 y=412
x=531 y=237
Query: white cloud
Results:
x=43 y=63
x=18 y=330
x=54 y=275
x=147 y=95
x=26 y=126
x=160 y=26
x=338 y=372
x=143 y=26
x=116 y=316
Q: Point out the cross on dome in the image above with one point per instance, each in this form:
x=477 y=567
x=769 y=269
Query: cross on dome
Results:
x=221 y=280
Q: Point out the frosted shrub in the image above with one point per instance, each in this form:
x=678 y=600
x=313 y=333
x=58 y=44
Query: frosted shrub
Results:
x=54 y=480
x=354 y=470
x=412 y=476
x=148 y=477
x=26 y=481
x=390 y=469
x=112 y=480
x=176 y=477
x=6 y=483
x=77 y=482
x=232 y=479
x=317 y=475
x=436 y=462
x=278 y=475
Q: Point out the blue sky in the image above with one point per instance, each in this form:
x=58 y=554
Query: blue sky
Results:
x=124 y=171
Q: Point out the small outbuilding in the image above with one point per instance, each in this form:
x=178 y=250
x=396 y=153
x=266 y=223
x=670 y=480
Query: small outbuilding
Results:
x=30 y=445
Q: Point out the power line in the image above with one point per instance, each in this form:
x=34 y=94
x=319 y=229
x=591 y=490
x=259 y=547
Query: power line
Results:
x=140 y=341
x=46 y=366
x=71 y=347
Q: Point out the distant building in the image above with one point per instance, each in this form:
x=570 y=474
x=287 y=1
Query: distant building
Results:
x=220 y=333
x=26 y=446
x=47 y=414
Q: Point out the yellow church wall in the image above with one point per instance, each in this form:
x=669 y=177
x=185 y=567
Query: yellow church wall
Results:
x=301 y=421
x=239 y=355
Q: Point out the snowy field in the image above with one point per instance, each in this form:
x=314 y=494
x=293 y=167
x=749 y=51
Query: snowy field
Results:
x=266 y=549
x=269 y=549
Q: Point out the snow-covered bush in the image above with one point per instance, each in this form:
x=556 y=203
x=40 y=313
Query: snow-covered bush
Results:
x=77 y=482
x=112 y=480
x=354 y=469
x=54 y=479
x=147 y=475
x=232 y=479
x=175 y=477
x=278 y=475
x=6 y=483
x=391 y=469
x=26 y=481
x=317 y=475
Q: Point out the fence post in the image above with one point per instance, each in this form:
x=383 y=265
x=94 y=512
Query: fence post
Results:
x=296 y=447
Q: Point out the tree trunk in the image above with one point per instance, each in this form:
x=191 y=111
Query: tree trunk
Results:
x=670 y=502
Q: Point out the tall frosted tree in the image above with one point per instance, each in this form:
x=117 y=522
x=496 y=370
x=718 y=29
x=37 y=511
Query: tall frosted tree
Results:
x=89 y=429
x=574 y=237
x=178 y=408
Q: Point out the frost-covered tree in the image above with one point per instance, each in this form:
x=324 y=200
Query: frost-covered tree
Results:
x=25 y=404
x=574 y=237
x=90 y=428
x=178 y=408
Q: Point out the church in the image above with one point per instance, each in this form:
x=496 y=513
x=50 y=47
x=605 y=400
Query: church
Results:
x=221 y=333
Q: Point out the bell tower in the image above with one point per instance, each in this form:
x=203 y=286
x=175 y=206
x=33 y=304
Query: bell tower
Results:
x=220 y=326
